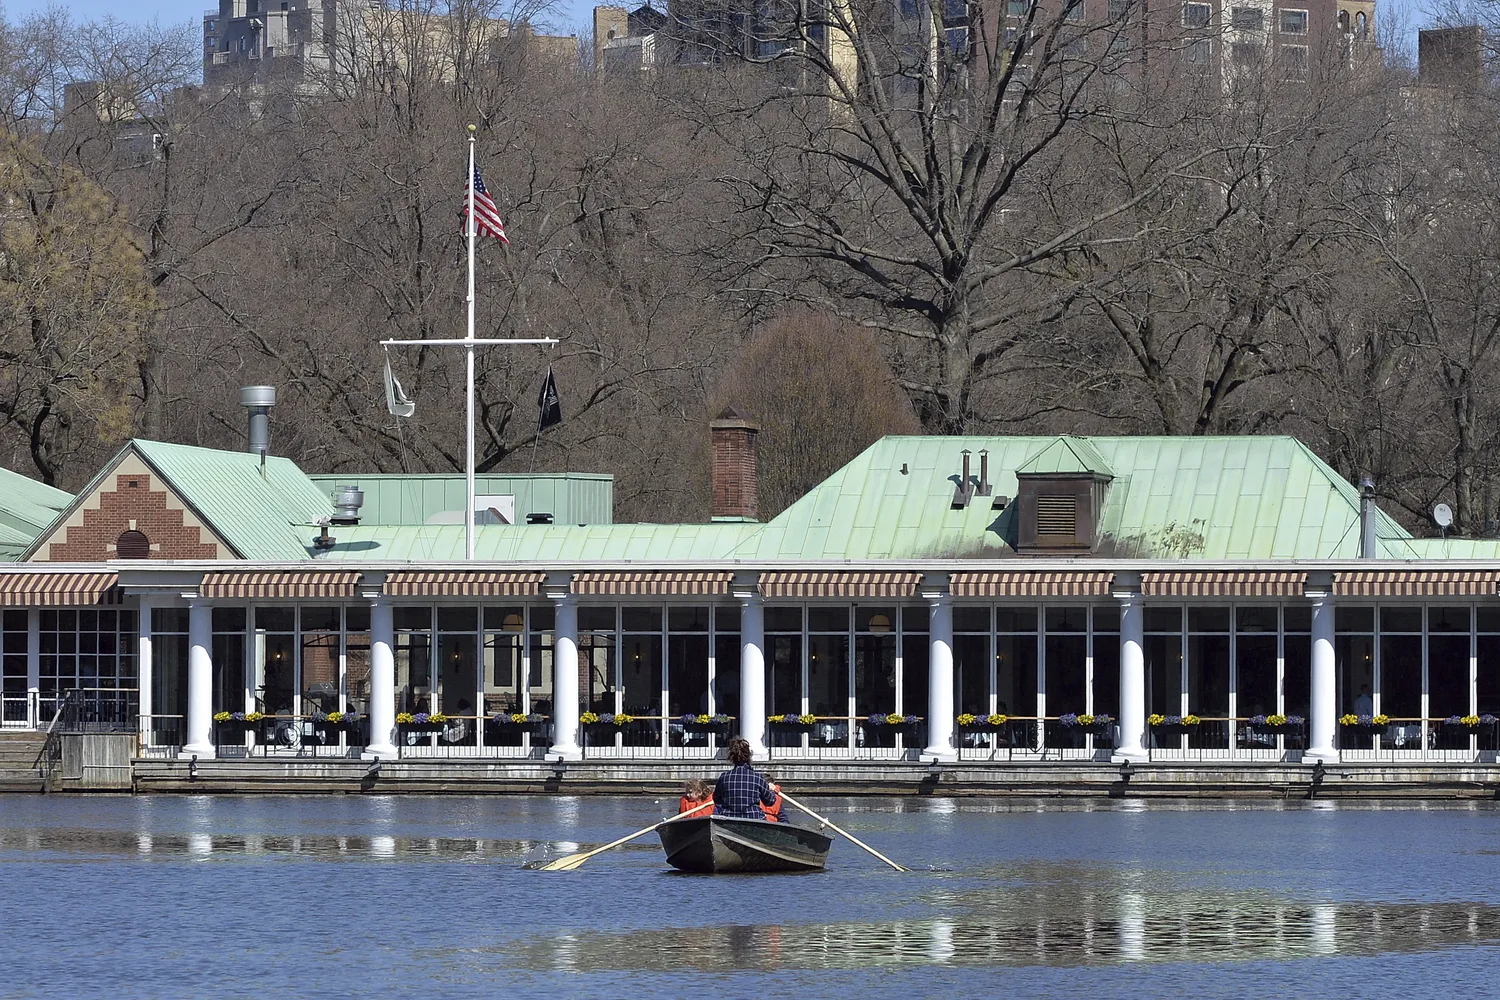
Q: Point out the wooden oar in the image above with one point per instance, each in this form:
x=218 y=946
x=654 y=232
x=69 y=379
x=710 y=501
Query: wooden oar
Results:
x=844 y=833
x=572 y=861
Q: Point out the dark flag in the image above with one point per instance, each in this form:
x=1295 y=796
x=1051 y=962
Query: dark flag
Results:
x=551 y=405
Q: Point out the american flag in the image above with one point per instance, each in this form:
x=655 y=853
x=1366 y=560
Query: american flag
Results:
x=486 y=215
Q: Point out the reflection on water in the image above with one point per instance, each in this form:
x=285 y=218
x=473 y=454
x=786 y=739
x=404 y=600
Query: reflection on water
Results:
x=390 y=892
x=1131 y=929
x=109 y=844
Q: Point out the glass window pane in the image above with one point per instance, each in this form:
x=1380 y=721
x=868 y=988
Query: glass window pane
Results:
x=1353 y=619
x=229 y=619
x=1257 y=675
x=458 y=683
x=726 y=688
x=320 y=673
x=1106 y=674
x=357 y=618
x=1487 y=618
x=971 y=619
x=163 y=620
x=357 y=671
x=971 y=674
x=1067 y=619
x=1208 y=675
x=916 y=618
x=689 y=619
x=1015 y=619
x=1208 y=619
x=1400 y=620
x=781 y=618
x=914 y=671
x=1159 y=619
x=826 y=619
x=1296 y=618
x=1401 y=676
x=634 y=619
x=1296 y=661
x=727 y=618
x=1488 y=651
x=1106 y=617
x=1355 y=657
x=412 y=618
x=828 y=674
x=1163 y=674
x=1066 y=672
x=1255 y=618
x=458 y=619
x=320 y=619
x=510 y=619
x=1015 y=675
x=687 y=673
x=1449 y=620
x=596 y=619
x=875 y=674
x=1447 y=675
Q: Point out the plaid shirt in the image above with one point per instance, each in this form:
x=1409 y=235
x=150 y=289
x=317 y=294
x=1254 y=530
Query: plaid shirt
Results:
x=740 y=792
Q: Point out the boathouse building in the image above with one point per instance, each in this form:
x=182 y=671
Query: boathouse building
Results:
x=938 y=598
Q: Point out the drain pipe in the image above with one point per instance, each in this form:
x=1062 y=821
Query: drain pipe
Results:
x=1367 y=544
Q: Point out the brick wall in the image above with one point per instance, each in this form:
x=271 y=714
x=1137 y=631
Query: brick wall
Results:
x=133 y=504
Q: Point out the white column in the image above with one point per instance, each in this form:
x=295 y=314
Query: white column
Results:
x=143 y=672
x=1132 y=681
x=940 y=681
x=200 y=693
x=382 y=682
x=565 y=680
x=1322 y=711
x=753 y=673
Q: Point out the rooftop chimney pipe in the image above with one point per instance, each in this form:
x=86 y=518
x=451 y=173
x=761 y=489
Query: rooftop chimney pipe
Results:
x=259 y=399
x=1367 y=542
x=735 y=487
x=985 y=489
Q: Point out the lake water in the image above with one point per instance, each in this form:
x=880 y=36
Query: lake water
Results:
x=282 y=897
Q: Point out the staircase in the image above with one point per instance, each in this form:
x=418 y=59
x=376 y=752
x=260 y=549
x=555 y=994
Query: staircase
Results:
x=21 y=761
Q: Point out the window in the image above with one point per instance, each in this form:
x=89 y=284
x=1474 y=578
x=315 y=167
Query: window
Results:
x=1246 y=53
x=1057 y=515
x=132 y=544
x=1294 y=58
x=1074 y=10
x=1199 y=51
x=1118 y=9
x=1247 y=19
x=1196 y=15
x=1294 y=22
x=1016 y=8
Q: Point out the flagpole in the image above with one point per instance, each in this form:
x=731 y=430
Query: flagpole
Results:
x=469 y=384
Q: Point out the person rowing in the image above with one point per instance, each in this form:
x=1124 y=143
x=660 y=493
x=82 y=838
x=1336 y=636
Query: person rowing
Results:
x=740 y=791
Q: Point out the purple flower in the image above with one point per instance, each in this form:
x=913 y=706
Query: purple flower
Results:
x=1295 y=720
x=1172 y=720
x=1068 y=720
x=1487 y=720
x=236 y=716
x=875 y=719
x=689 y=719
x=912 y=720
x=1257 y=720
x=607 y=718
x=1366 y=720
x=1453 y=720
x=421 y=719
x=1104 y=720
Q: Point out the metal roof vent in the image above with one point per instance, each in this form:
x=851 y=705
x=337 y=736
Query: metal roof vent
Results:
x=259 y=399
x=347 y=500
x=539 y=518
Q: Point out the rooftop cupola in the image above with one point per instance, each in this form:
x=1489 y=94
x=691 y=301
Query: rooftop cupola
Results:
x=1059 y=496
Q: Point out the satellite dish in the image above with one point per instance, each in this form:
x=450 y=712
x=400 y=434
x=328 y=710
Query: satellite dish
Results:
x=1443 y=515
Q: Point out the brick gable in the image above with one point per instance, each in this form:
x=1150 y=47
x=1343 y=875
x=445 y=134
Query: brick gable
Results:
x=130 y=500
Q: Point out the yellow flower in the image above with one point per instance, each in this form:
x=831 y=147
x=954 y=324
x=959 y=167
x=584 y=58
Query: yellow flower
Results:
x=997 y=720
x=254 y=716
x=519 y=718
x=621 y=718
x=437 y=718
x=1381 y=720
x=895 y=719
x=1349 y=719
x=403 y=718
x=702 y=720
x=1156 y=719
x=221 y=716
x=1085 y=720
x=1190 y=720
x=807 y=719
x=588 y=717
x=967 y=719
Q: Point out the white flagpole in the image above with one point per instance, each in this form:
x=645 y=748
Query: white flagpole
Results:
x=469 y=384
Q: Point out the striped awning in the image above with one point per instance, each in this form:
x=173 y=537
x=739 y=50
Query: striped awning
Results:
x=839 y=584
x=652 y=583
x=1221 y=583
x=42 y=590
x=460 y=583
x=1417 y=583
x=279 y=584
x=1073 y=583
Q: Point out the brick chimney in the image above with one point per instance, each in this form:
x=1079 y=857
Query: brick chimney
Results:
x=734 y=466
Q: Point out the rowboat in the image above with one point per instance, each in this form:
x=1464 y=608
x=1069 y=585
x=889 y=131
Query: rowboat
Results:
x=718 y=844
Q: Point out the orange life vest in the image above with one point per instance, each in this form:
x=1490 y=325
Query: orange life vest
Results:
x=773 y=812
x=685 y=804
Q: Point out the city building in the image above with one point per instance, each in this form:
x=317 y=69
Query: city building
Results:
x=985 y=599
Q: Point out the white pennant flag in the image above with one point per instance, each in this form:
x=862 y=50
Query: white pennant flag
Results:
x=396 y=399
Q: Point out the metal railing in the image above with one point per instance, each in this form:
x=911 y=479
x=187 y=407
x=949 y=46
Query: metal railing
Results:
x=100 y=710
x=1417 y=738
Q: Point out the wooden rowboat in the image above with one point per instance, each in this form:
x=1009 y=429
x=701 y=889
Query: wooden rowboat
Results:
x=718 y=844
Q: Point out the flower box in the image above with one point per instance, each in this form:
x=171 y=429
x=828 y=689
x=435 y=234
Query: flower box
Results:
x=234 y=725
x=1096 y=725
x=982 y=723
x=1364 y=724
x=534 y=721
x=1276 y=723
x=891 y=722
x=792 y=721
x=605 y=720
x=715 y=724
x=421 y=722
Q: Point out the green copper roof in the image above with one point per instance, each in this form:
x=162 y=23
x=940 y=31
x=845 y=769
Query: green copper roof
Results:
x=1069 y=456
x=1222 y=498
x=262 y=513
x=26 y=507
x=570 y=497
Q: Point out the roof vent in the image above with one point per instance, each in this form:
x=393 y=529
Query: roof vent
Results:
x=347 y=500
x=539 y=517
x=323 y=541
x=259 y=399
x=964 y=492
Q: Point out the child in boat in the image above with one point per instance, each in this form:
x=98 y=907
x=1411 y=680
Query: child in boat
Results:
x=773 y=812
x=694 y=795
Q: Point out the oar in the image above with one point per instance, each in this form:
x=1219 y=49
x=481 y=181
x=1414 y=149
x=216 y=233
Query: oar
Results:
x=572 y=861
x=844 y=833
